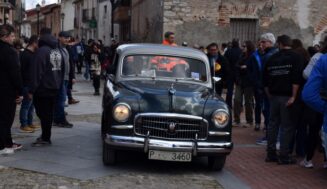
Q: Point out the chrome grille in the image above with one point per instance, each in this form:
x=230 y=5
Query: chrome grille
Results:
x=171 y=127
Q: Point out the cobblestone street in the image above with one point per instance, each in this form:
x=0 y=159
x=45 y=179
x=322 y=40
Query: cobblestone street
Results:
x=73 y=162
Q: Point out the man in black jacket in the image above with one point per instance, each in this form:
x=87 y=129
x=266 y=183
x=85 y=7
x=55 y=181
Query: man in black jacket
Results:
x=233 y=55
x=27 y=108
x=10 y=87
x=218 y=66
x=282 y=78
x=46 y=80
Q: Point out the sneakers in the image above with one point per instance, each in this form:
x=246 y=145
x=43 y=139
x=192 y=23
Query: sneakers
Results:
x=26 y=129
x=35 y=127
x=257 y=127
x=286 y=160
x=73 y=101
x=236 y=124
x=7 y=151
x=64 y=124
x=15 y=146
x=271 y=158
x=247 y=125
x=306 y=164
x=262 y=141
x=40 y=142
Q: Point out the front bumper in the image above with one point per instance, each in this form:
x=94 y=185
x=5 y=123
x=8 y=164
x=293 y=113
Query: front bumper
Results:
x=146 y=144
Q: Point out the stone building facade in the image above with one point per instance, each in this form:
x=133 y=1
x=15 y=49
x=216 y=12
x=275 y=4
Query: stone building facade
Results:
x=205 y=21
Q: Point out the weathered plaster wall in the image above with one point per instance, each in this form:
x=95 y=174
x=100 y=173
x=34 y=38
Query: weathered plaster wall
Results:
x=202 y=22
x=147 y=21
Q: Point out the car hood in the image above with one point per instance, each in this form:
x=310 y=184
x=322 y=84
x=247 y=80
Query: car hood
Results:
x=168 y=96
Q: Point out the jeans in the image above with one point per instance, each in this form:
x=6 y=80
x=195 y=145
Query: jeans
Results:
x=324 y=140
x=96 y=82
x=44 y=107
x=26 y=110
x=247 y=92
x=230 y=92
x=87 y=70
x=59 y=112
x=262 y=105
x=280 y=122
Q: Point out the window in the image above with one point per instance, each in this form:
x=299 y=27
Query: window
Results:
x=164 y=67
x=105 y=9
x=244 y=29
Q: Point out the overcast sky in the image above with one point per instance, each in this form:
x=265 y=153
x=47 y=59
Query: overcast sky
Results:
x=32 y=3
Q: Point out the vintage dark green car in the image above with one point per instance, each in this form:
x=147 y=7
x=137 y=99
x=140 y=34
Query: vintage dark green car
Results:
x=161 y=100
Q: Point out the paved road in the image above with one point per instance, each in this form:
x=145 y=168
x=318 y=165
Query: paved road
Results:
x=74 y=159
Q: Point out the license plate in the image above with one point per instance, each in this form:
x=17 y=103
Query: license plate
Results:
x=170 y=156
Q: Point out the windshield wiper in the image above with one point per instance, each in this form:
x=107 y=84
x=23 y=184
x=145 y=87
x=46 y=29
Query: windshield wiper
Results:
x=187 y=79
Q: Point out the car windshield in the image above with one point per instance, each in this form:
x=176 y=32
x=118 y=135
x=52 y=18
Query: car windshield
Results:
x=170 y=67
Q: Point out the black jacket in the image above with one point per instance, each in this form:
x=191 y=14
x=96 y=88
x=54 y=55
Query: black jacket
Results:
x=281 y=71
x=26 y=59
x=10 y=76
x=47 y=68
x=243 y=75
x=233 y=55
x=72 y=63
x=224 y=70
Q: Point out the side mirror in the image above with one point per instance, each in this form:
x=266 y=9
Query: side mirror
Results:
x=216 y=79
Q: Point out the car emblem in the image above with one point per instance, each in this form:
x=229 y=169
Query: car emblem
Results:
x=172 y=127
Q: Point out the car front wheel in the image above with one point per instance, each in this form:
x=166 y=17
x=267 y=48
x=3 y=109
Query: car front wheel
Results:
x=216 y=163
x=109 y=155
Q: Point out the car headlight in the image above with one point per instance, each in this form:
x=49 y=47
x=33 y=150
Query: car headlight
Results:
x=121 y=112
x=220 y=118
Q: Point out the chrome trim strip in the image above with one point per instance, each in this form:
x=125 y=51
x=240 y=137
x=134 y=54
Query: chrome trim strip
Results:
x=218 y=133
x=121 y=127
x=155 y=144
x=170 y=115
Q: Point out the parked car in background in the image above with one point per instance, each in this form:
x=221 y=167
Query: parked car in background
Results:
x=161 y=100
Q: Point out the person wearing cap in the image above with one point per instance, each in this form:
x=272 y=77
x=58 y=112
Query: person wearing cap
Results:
x=282 y=78
x=59 y=113
x=27 y=107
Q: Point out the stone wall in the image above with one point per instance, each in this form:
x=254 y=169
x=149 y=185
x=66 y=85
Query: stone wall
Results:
x=147 y=21
x=205 y=21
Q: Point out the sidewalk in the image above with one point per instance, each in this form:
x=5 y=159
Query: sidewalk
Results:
x=247 y=163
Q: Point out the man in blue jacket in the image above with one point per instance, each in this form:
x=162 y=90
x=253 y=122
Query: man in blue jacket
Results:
x=313 y=93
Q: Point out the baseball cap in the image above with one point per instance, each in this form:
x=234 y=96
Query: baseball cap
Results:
x=64 y=34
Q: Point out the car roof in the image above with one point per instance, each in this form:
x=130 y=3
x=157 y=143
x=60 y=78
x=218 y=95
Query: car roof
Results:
x=155 y=49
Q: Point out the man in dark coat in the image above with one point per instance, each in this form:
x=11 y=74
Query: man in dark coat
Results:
x=10 y=86
x=233 y=55
x=218 y=66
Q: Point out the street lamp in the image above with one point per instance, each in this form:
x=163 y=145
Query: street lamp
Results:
x=38 y=9
x=62 y=15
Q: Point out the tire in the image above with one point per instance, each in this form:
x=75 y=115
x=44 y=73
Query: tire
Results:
x=103 y=128
x=109 y=155
x=216 y=163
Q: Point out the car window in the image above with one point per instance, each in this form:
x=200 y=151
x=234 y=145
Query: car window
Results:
x=164 y=67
